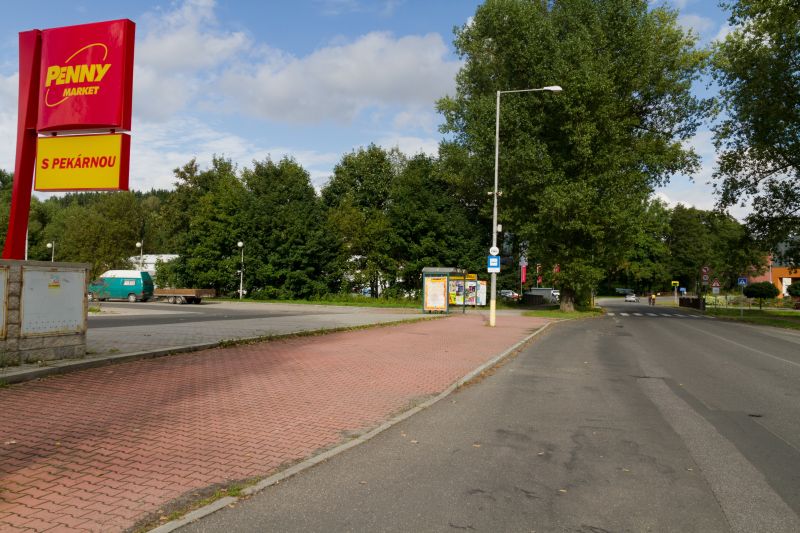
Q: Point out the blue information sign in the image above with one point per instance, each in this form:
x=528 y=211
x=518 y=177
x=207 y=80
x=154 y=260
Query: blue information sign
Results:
x=493 y=264
x=742 y=282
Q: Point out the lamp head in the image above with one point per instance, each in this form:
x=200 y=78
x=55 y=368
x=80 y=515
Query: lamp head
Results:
x=553 y=88
x=49 y=244
x=138 y=244
x=240 y=244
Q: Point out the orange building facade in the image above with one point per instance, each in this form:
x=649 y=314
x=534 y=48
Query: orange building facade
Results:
x=779 y=275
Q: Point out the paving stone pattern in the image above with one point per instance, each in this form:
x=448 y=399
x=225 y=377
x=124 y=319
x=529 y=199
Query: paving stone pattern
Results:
x=99 y=450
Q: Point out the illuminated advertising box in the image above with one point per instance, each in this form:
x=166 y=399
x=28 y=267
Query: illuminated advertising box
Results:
x=83 y=163
x=86 y=77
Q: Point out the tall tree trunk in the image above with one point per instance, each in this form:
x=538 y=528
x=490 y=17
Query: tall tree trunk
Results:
x=567 y=299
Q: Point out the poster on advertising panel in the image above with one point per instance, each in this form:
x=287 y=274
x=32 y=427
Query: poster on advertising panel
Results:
x=435 y=294
x=456 y=292
x=482 y=292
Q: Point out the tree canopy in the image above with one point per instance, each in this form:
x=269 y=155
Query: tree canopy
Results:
x=757 y=67
x=577 y=168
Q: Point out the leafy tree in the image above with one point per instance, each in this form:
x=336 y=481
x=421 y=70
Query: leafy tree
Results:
x=357 y=198
x=700 y=238
x=429 y=226
x=758 y=140
x=576 y=169
x=283 y=216
x=205 y=217
x=646 y=266
x=762 y=290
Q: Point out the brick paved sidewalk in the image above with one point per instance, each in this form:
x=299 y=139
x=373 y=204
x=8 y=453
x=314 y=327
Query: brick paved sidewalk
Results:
x=101 y=449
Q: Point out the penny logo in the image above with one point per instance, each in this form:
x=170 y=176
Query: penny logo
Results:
x=75 y=79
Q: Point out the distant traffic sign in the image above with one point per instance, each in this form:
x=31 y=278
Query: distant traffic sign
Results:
x=715 y=283
x=493 y=264
x=742 y=282
x=706 y=269
x=675 y=283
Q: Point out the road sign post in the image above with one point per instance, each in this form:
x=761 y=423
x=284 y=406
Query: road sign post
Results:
x=742 y=281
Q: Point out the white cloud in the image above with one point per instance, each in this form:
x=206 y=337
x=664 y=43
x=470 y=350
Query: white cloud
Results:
x=411 y=145
x=723 y=32
x=698 y=192
x=157 y=149
x=179 y=53
x=185 y=40
x=415 y=118
x=698 y=23
x=8 y=120
x=340 y=81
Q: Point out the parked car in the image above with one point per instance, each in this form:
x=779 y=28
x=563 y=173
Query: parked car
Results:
x=511 y=295
x=549 y=294
x=131 y=285
x=631 y=298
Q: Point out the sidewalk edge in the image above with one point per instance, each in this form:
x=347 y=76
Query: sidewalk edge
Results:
x=324 y=456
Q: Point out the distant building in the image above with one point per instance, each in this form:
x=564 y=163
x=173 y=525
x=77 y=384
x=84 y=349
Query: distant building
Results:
x=147 y=262
x=778 y=274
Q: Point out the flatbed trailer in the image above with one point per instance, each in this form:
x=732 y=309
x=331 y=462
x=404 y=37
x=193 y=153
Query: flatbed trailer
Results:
x=183 y=296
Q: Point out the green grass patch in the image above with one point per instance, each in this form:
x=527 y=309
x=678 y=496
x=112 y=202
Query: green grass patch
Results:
x=555 y=312
x=180 y=508
x=786 y=319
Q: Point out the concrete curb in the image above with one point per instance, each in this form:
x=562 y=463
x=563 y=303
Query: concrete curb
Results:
x=324 y=456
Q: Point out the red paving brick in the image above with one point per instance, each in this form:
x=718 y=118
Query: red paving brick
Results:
x=100 y=449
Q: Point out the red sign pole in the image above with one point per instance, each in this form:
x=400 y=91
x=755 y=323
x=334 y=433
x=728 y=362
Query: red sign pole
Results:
x=30 y=52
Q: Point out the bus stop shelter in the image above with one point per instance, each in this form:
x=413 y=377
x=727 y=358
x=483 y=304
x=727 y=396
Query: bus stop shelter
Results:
x=443 y=287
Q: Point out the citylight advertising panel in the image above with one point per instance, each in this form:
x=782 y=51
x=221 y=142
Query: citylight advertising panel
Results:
x=83 y=162
x=86 y=77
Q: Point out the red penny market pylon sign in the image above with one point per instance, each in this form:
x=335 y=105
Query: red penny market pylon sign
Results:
x=75 y=79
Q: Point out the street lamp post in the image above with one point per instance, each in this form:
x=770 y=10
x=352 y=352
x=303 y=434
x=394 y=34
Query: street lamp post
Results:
x=550 y=88
x=140 y=246
x=52 y=246
x=240 y=244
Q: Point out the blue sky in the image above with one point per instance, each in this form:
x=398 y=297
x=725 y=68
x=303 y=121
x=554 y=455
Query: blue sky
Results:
x=312 y=79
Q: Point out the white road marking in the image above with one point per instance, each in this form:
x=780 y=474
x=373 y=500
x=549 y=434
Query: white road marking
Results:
x=624 y=314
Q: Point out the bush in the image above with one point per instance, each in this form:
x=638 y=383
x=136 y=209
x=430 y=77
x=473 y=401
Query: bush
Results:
x=762 y=290
x=794 y=289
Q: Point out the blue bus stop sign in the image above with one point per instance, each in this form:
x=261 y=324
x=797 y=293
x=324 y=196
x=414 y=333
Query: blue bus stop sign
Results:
x=493 y=264
x=742 y=282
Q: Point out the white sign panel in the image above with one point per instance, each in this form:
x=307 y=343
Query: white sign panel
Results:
x=53 y=301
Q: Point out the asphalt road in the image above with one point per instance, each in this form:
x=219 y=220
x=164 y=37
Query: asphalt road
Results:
x=622 y=423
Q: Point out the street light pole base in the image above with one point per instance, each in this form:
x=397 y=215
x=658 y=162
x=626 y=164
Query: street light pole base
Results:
x=493 y=301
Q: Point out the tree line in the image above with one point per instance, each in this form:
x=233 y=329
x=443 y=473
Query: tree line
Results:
x=380 y=219
x=577 y=170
